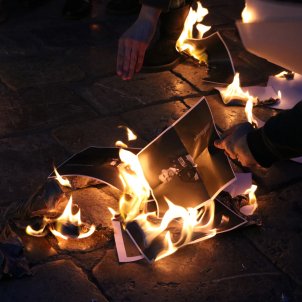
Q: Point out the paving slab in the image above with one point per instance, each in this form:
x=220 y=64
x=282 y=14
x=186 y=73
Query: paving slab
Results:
x=22 y=72
x=221 y=268
x=13 y=44
x=280 y=236
x=25 y=164
x=40 y=108
x=54 y=282
x=100 y=132
x=95 y=61
x=150 y=121
x=147 y=88
x=74 y=34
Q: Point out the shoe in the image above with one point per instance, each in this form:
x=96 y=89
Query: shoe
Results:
x=76 y=9
x=123 y=7
x=162 y=54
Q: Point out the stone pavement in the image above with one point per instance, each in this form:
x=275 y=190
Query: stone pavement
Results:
x=59 y=94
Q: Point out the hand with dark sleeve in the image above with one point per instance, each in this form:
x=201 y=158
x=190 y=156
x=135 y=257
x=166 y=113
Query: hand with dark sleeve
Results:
x=280 y=138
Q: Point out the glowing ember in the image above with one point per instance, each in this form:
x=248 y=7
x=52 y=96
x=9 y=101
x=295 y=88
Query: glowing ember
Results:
x=193 y=20
x=235 y=92
x=68 y=225
x=249 y=113
x=249 y=209
x=62 y=181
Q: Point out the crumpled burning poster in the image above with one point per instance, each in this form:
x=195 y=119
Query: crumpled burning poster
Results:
x=181 y=165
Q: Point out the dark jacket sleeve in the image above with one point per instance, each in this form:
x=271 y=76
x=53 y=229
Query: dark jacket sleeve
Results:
x=280 y=138
x=163 y=4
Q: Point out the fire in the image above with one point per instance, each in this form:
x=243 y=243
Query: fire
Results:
x=235 y=92
x=279 y=95
x=249 y=113
x=62 y=181
x=120 y=144
x=131 y=208
x=193 y=20
x=249 y=209
x=247 y=15
x=67 y=225
x=131 y=135
x=285 y=74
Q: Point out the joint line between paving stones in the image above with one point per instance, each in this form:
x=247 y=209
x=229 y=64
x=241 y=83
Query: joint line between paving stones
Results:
x=93 y=280
x=177 y=74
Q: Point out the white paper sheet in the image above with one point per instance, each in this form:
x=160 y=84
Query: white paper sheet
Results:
x=272 y=10
x=291 y=91
x=240 y=185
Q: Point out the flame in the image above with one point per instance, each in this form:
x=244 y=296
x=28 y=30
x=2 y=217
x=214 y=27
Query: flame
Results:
x=66 y=218
x=235 y=92
x=284 y=74
x=249 y=113
x=131 y=135
x=136 y=188
x=183 y=43
x=120 y=144
x=131 y=208
x=62 y=181
x=279 y=95
x=249 y=209
x=247 y=15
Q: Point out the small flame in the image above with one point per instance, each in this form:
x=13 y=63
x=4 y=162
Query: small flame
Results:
x=235 y=92
x=284 y=74
x=193 y=19
x=249 y=209
x=249 y=113
x=61 y=180
x=131 y=135
x=120 y=144
x=67 y=218
x=247 y=15
x=279 y=95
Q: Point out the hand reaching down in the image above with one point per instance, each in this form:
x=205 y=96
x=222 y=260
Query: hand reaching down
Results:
x=134 y=42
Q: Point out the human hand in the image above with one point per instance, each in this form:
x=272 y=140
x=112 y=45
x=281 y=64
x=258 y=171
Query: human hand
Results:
x=234 y=143
x=134 y=42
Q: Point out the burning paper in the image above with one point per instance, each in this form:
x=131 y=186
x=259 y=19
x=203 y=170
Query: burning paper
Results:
x=183 y=171
x=193 y=19
x=210 y=50
x=68 y=224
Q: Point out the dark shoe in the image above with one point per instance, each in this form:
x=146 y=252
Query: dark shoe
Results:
x=76 y=9
x=123 y=7
x=162 y=55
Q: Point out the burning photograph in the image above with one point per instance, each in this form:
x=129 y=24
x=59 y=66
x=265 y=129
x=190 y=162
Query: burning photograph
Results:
x=182 y=163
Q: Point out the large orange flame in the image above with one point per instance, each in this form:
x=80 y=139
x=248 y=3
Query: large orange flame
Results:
x=132 y=208
x=193 y=19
